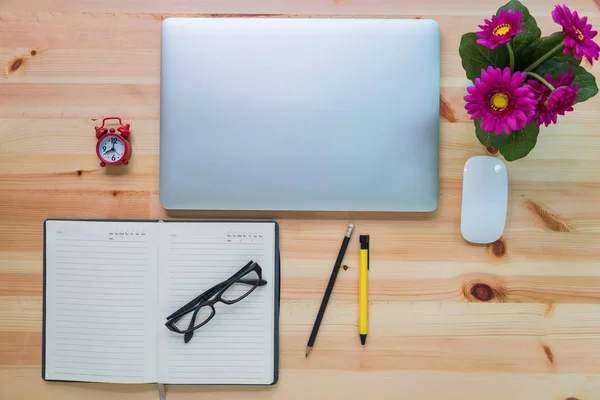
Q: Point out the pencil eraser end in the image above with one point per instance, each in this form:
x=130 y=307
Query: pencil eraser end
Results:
x=350 y=228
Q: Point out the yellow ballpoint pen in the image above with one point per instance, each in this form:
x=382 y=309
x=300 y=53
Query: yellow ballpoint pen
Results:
x=363 y=289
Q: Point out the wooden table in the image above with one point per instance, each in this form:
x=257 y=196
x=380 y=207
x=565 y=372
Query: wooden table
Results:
x=516 y=320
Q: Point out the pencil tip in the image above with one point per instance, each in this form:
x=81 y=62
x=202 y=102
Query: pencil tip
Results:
x=308 y=350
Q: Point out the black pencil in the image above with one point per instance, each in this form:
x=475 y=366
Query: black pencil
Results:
x=332 y=278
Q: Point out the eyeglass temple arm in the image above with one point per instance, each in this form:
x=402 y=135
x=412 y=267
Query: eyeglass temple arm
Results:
x=243 y=272
x=188 y=335
x=262 y=282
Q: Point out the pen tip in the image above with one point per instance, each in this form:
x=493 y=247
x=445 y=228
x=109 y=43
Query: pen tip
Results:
x=308 y=350
x=363 y=339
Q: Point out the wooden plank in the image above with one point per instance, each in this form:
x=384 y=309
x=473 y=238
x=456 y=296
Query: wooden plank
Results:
x=20 y=261
x=42 y=31
x=30 y=262
x=82 y=65
x=20 y=348
x=141 y=101
x=16 y=284
x=444 y=320
x=84 y=172
x=395 y=354
x=62 y=137
x=408 y=385
x=470 y=355
x=128 y=100
x=398 y=236
x=72 y=172
x=470 y=287
x=25 y=383
x=379 y=7
x=411 y=319
x=64 y=172
x=127 y=34
x=21 y=314
x=49 y=136
x=22 y=226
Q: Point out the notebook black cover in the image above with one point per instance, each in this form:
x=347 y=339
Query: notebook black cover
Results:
x=276 y=272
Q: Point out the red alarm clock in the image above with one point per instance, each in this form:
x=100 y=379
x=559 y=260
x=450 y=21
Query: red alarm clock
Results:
x=113 y=146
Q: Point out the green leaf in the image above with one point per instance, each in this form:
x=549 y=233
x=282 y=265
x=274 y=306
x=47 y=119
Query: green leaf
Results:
x=585 y=80
x=521 y=42
x=544 y=44
x=476 y=57
x=520 y=143
x=489 y=139
x=516 y=6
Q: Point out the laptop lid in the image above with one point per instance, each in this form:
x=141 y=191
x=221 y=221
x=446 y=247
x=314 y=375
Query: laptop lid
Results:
x=299 y=114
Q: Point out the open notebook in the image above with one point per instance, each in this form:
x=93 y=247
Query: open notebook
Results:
x=109 y=286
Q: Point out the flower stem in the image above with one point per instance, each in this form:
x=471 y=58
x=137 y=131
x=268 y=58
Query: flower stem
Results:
x=511 y=54
x=546 y=56
x=539 y=78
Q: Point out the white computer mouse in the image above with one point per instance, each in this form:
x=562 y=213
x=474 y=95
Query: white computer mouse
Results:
x=484 y=199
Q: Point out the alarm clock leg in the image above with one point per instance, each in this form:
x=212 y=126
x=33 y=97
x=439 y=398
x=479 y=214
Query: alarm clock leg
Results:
x=125 y=161
x=102 y=164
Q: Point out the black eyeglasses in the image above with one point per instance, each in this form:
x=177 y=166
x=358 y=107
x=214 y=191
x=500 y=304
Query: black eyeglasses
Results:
x=234 y=289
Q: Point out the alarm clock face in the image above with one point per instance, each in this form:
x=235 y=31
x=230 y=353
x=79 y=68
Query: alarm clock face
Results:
x=111 y=149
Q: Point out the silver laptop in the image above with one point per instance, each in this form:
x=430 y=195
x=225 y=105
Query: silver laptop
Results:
x=299 y=114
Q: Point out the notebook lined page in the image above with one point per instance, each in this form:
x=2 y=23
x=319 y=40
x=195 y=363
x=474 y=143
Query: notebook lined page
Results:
x=236 y=346
x=101 y=303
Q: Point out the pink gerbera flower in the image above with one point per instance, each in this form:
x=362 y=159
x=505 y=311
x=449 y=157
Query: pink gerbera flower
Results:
x=501 y=100
x=578 y=34
x=556 y=102
x=501 y=29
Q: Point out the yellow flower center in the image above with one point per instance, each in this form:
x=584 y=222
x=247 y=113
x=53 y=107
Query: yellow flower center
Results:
x=499 y=101
x=501 y=29
x=579 y=34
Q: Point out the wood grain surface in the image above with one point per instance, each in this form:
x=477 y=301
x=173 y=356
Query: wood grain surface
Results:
x=519 y=319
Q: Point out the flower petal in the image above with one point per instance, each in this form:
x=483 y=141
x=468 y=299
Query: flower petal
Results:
x=506 y=77
x=511 y=120
x=520 y=115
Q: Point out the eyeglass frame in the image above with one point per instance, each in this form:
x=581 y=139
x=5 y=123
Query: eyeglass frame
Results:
x=214 y=295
